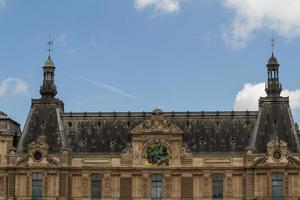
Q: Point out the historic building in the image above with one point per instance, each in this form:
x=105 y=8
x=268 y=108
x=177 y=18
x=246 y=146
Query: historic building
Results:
x=151 y=155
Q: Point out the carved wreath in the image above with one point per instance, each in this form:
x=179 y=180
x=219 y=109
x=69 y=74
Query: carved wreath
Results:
x=157 y=154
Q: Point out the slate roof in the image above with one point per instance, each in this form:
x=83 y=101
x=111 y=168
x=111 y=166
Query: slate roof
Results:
x=202 y=131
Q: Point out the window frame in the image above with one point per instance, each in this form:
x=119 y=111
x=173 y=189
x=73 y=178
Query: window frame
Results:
x=156 y=186
x=277 y=183
x=217 y=186
x=37 y=185
x=96 y=182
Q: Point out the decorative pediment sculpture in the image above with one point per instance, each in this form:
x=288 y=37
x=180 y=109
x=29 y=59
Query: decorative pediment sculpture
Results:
x=38 y=149
x=277 y=154
x=157 y=124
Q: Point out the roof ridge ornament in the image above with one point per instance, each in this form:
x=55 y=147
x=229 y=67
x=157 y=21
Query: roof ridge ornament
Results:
x=156 y=124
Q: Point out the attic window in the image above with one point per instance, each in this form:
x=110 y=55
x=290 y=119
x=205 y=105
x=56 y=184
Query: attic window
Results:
x=128 y=124
x=232 y=140
x=202 y=141
x=43 y=124
x=187 y=123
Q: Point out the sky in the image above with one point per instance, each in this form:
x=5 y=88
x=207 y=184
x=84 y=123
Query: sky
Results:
x=138 y=55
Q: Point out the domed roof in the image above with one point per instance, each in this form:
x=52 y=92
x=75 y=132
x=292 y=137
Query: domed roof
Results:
x=49 y=63
x=272 y=60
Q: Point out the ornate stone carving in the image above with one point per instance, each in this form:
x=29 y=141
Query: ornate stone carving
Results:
x=205 y=186
x=85 y=186
x=3 y=186
x=157 y=154
x=157 y=124
x=107 y=187
x=229 y=189
x=127 y=152
x=167 y=187
x=39 y=145
x=145 y=191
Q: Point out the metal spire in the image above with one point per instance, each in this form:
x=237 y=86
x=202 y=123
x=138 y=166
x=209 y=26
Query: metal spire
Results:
x=273 y=41
x=50 y=44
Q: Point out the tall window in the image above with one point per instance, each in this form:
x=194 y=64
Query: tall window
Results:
x=156 y=185
x=277 y=186
x=36 y=186
x=96 y=187
x=217 y=187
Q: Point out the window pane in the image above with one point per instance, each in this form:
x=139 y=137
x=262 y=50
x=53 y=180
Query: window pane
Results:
x=96 y=187
x=217 y=187
x=36 y=186
x=156 y=184
x=277 y=186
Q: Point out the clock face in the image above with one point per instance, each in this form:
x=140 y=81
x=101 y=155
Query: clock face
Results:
x=277 y=155
x=157 y=154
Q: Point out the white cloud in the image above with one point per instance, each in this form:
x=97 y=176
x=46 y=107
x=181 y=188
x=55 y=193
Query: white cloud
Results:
x=252 y=16
x=13 y=86
x=112 y=89
x=247 y=98
x=161 y=6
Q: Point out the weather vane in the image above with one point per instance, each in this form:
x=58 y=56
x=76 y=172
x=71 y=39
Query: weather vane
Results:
x=50 y=44
x=273 y=41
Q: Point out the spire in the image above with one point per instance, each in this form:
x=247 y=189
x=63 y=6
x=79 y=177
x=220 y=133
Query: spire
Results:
x=48 y=89
x=273 y=85
x=50 y=43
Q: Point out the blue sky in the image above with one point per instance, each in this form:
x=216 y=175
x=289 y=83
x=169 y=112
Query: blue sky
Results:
x=135 y=55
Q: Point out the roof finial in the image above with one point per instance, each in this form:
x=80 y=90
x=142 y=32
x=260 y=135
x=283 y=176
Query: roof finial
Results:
x=273 y=41
x=50 y=44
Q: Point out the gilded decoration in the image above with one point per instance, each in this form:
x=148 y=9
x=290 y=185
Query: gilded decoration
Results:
x=157 y=124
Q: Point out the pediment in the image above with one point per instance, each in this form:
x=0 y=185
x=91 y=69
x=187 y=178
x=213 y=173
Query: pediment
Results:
x=277 y=155
x=156 y=124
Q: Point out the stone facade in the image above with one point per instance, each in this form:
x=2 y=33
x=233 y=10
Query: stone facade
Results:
x=198 y=155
